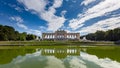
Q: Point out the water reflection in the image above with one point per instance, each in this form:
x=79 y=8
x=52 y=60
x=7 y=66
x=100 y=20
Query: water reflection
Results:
x=61 y=53
x=7 y=55
x=53 y=57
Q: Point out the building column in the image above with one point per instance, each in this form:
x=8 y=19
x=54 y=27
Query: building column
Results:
x=78 y=36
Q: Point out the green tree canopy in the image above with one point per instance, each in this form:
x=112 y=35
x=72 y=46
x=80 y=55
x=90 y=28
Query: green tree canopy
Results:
x=8 y=33
x=110 y=35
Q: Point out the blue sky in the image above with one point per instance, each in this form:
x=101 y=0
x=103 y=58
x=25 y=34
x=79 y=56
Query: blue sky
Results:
x=82 y=16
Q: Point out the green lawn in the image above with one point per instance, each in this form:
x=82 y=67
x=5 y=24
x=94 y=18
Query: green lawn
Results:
x=39 y=43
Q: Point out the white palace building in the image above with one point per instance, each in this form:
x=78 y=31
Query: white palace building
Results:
x=61 y=35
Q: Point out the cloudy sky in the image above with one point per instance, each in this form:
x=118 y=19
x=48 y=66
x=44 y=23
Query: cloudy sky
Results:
x=83 y=16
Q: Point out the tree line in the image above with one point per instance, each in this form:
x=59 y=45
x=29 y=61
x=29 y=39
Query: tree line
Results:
x=110 y=35
x=8 y=33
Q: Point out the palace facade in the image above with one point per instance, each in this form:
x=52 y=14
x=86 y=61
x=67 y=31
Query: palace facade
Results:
x=61 y=35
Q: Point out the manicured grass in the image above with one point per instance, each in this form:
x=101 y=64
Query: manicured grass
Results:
x=40 y=43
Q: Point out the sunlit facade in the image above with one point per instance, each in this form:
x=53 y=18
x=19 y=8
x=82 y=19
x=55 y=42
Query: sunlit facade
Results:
x=60 y=35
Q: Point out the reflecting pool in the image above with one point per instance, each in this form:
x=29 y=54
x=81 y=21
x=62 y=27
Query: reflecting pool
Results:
x=59 y=57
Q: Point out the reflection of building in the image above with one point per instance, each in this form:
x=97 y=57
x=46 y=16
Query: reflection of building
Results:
x=60 y=35
x=60 y=52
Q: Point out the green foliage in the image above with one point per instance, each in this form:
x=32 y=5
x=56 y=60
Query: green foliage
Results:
x=91 y=36
x=8 y=33
x=22 y=36
x=3 y=37
x=100 y=35
x=30 y=37
x=110 y=35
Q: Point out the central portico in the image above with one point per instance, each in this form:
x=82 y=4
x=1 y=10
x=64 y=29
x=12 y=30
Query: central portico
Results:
x=61 y=35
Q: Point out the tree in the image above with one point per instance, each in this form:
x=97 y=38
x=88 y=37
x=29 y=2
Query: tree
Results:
x=116 y=34
x=100 y=35
x=23 y=36
x=9 y=33
x=17 y=36
x=110 y=35
x=3 y=37
x=30 y=37
x=91 y=36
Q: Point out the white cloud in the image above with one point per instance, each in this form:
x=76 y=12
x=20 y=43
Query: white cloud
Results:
x=74 y=1
x=86 y=2
x=36 y=5
x=18 y=9
x=74 y=24
x=22 y=26
x=35 y=32
x=15 y=7
x=63 y=13
x=57 y=3
x=19 y=21
x=42 y=28
x=77 y=63
x=106 y=6
x=103 y=25
x=103 y=63
x=39 y=6
x=53 y=62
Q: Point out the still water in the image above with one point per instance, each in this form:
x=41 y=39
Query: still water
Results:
x=59 y=57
